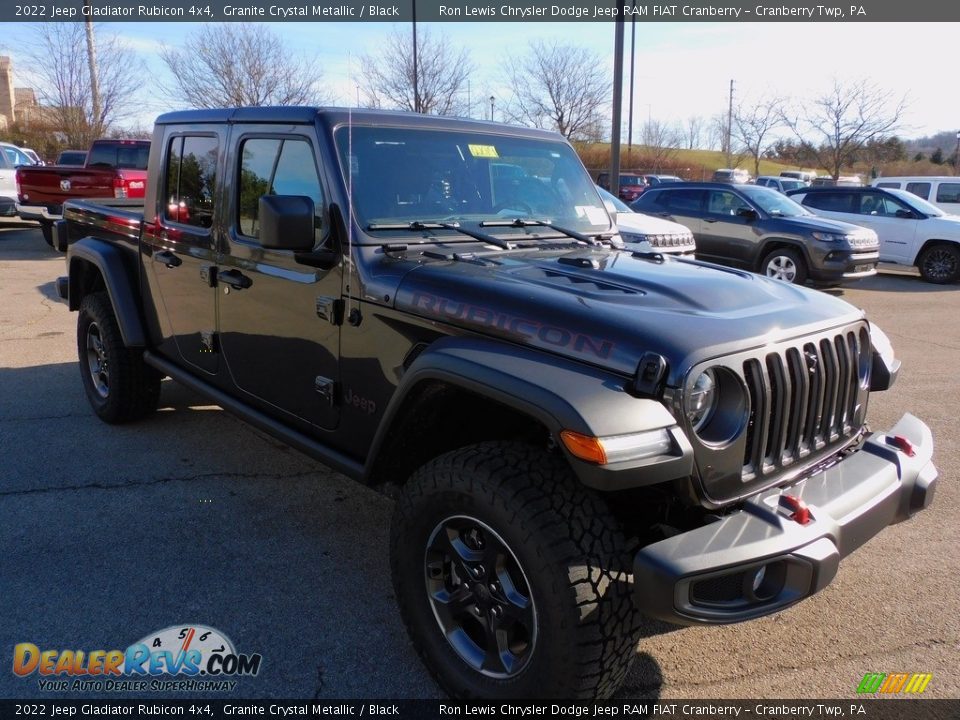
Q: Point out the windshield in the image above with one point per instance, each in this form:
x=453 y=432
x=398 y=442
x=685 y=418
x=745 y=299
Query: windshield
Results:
x=402 y=175
x=772 y=202
x=917 y=203
x=619 y=205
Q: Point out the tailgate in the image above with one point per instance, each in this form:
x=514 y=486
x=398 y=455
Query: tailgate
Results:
x=54 y=185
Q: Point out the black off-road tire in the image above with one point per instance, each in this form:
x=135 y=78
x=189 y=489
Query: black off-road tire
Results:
x=793 y=266
x=940 y=264
x=125 y=388
x=47 y=230
x=571 y=551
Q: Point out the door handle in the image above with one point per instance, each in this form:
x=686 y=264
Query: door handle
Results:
x=235 y=279
x=167 y=258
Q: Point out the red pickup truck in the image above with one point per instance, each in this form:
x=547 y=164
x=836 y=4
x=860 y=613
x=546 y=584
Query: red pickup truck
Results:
x=114 y=169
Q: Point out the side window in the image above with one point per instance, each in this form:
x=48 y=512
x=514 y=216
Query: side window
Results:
x=830 y=201
x=880 y=205
x=920 y=189
x=191 y=180
x=270 y=166
x=722 y=202
x=682 y=201
x=948 y=193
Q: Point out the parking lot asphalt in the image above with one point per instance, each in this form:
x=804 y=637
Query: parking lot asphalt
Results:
x=108 y=534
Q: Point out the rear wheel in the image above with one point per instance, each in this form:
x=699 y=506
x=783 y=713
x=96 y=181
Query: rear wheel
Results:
x=940 y=264
x=119 y=385
x=785 y=264
x=512 y=578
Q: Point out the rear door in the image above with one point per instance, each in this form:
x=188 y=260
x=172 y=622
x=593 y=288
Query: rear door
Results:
x=180 y=246
x=725 y=233
x=279 y=321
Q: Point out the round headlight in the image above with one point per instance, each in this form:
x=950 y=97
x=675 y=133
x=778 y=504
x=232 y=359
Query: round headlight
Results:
x=702 y=400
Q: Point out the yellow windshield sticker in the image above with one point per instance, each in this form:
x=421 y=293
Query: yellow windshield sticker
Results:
x=483 y=151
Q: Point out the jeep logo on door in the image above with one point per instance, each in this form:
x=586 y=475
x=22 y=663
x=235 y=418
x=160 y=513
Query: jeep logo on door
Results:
x=64 y=184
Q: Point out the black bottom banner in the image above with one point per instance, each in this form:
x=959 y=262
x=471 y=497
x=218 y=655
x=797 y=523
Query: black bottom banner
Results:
x=854 y=709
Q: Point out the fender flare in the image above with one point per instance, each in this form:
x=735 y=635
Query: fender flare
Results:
x=559 y=393
x=109 y=260
x=765 y=245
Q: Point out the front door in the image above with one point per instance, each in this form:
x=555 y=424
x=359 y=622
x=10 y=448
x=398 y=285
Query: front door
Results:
x=278 y=320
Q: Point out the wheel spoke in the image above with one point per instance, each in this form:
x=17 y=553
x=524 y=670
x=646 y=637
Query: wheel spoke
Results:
x=498 y=658
x=451 y=606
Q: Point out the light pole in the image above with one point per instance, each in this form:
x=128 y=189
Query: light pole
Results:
x=956 y=155
x=492 y=98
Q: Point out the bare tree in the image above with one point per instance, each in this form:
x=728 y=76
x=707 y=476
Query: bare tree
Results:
x=64 y=86
x=661 y=141
x=233 y=65
x=693 y=131
x=561 y=87
x=442 y=75
x=840 y=123
x=753 y=126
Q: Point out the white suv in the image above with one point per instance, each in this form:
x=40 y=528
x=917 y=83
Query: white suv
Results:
x=911 y=230
x=10 y=157
x=944 y=192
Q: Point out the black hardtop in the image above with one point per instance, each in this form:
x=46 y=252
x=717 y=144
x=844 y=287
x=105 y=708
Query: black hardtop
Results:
x=334 y=116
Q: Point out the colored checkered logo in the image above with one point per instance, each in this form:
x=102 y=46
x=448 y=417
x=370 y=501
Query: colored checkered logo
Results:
x=890 y=683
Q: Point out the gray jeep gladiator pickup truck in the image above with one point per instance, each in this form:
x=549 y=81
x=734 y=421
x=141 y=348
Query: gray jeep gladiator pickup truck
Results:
x=577 y=436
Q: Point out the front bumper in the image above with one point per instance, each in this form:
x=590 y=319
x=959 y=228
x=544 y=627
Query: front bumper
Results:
x=711 y=575
x=846 y=265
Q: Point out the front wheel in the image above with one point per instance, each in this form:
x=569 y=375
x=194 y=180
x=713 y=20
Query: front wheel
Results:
x=119 y=385
x=513 y=579
x=940 y=264
x=785 y=264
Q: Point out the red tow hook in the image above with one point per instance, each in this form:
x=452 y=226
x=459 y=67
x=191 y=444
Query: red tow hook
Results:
x=902 y=444
x=799 y=512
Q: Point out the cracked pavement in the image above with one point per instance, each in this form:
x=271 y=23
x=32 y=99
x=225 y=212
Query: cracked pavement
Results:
x=191 y=516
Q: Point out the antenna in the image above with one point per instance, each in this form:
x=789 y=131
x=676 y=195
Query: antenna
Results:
x=350 y=288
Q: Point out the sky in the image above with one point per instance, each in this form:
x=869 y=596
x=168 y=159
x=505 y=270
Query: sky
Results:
x=682 y=69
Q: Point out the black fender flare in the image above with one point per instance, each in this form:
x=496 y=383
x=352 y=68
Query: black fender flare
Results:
x=109 y=260
x=559 y=393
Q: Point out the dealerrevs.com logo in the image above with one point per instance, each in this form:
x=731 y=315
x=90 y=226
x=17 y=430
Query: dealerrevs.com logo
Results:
x=185 y=658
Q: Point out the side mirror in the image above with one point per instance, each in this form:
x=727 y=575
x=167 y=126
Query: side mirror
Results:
x=747 y=213
x=901 y=213
x=286 y=222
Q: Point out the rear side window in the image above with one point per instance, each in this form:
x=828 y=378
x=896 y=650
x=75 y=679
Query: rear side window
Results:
x=275 y=166
x=832 y=202
x=191 y=177
x=682 y=201
x=920 y=189
x=948 y=193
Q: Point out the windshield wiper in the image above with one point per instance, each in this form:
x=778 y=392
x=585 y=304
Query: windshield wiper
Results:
x=596 y=239
x=418 y=225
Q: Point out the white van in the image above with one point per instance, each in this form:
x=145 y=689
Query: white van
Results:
x=731 y=175
x=943 y=191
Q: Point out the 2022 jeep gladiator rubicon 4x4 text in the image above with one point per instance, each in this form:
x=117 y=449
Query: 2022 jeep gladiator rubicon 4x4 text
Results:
x=577 y=435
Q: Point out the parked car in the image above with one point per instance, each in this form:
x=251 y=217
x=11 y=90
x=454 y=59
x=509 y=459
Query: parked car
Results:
x=642 y=232
x=652 y=180
x=762 y=230
x=780 y=184
x=72 y=158
x=806 y=176
x=911 y=230
x=943 y=191
x=631 y=185
x=114 y=168
x=728 y=175
x=577 y=439
x=842 y=181
x=10 y=158
x=32 y=154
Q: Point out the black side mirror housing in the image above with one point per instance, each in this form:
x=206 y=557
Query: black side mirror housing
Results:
x=901 y=213
x=747 y=213
x=286 y=222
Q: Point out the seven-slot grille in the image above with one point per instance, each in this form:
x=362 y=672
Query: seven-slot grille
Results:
x=804 y=399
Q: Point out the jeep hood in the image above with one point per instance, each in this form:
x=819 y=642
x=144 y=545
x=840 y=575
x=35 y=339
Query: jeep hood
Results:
x=609 y=307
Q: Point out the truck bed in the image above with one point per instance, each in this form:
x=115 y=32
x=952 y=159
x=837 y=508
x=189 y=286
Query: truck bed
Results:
x=108 y=218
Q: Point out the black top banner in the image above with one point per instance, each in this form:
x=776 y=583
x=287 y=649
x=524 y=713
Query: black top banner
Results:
x=568 y=11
